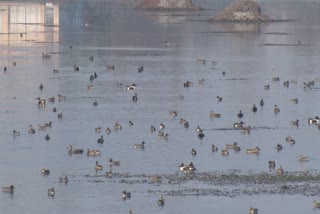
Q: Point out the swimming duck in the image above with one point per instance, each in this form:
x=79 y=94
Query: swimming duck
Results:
x=113 y=162
x=108 y=130
x=201 y=61
x=45 y=171
x=303 y=158
x=201 y=135
x=47 y=137
x=76 y=68
x=199 y=130
x=98 y=167
x=41 y=127
x=64 y=179
x=131 y=87
x=8 y=189
x=139 y=146
x=161 y=201
x=214 y=148
x=231 y=146
x=238 y=125
x=15 y=133
x=95 y=103
x=109 y=174
x=152 y=129
x=219 y=99
x=51 y=192
x=286 y=84
x=254 y=151
x=97 y=130
x=110 y=67
x=173 y=113
x=246 y=129
x=5 y=69
x=272 y=164
x=254 y=108
x=315 y=120
x=225 y=152
x=279 y=147
x=214 y=115
x=91 y=58
x=240 y=114
x=74 y=151
x=187 y=168
x=280 y=171
x=156 y=179
x=31 y=130
x=253 y=210
x=93 y=152
x=130 y=123
x=290 y=140
x=261 y=103
x=316 y=204
x=90 y=87
x=275 y=79
x=126 y=195
x=193 y=152
x=162 y=126
x=51 y=99
x=41 y=87
x=294 y=101
x=100 y=140
x=135 y=98
x=187 y=84
x=267 y=87
x=117 y=126
x=61 y=98
x=276 y=109
x=294 y=122
x=60 y=115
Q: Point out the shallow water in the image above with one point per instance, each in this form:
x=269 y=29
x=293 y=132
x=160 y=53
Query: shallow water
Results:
x=115 y=34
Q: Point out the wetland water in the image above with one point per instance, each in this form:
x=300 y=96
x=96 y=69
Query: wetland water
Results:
x=115 y=34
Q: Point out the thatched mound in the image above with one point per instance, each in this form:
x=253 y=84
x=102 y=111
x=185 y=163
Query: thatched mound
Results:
x=167 y=5
x=241 y=11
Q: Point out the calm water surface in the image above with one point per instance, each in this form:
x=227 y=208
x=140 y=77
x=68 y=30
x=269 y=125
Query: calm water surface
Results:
x=113 y=33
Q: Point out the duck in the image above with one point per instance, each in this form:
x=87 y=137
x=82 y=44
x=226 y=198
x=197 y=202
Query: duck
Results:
x=294 y=122
x=51 y=99
x=236 y=148
x=156 y=179
x=231 y=146
x=240 y=114
x=76 y=68
x=238 y=125
x=15 y=133
x=152 y=129
x=31 y=130
x=201 y=135
x=193 y=152
x=303 y=158
x=267 y=87
x=275 y=79
x=109 y=174
x=199 y=130
x=64 y=179
x=316 y=204
x=8 y=189
x=97 y=130
x=131 y=87
x=90 y=87
x=161 y=201
x=98 y=167
x=173 y=113
x=272 y=164
x=113 y=162
x=74 y=151
x=225 y=152
x=60 y=115
x=95 y=103
x=219 y=99
x=92 y=152
x=286 y=84
x=276 y=109
x=130 y=123
x=51 y=192
x=254 y=108
x=214 y=148
x=315 y=120
x=41 y=87
x=280 y=171
x=126 y=195
x=290 y=140
x=246 y=129
x=54 y=109
x=214 y=115
x=279 y=147
x=91 y=58
x=45 y=171
x=135 y=98
x=108 y=131
x=42 y=127
x=261 y=103
x=100 y=140
x=187 y=168
x=47 y=137
x=162 y=126
x=253 y=210
x=117 y=126
x=139 y=146
x=61 y=98
x=253 y=151
x=294 y=101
